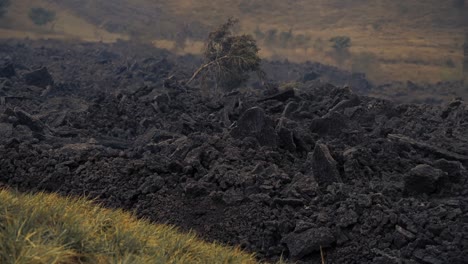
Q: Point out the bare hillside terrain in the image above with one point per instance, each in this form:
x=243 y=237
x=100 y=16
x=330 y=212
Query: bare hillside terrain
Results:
x=399 y=40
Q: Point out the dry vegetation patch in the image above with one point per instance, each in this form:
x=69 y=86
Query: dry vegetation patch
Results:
x=46 y=228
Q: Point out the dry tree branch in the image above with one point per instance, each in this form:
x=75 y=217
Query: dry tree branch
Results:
x=228 y=58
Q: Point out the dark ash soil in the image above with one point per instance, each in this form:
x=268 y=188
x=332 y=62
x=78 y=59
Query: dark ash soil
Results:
x=276 y=172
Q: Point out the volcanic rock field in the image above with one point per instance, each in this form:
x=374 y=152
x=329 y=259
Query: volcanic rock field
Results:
x=294 y=172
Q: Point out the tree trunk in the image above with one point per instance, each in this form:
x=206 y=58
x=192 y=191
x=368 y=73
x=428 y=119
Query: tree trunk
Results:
x=465 y=61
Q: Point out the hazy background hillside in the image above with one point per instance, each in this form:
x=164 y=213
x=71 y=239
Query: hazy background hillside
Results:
x=389 y=39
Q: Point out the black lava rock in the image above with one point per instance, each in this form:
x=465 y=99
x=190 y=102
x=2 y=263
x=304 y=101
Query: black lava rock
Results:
x=423 y=179
x=307 y=242
x=40 y=78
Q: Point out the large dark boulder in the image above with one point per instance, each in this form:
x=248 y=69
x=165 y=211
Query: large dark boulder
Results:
x=331 y=124
x=423 y=179
x=282 y=96
x=285 y=135
x=7 y=70
x=152 y=184
x=28 y=120
x=454 y=169
x=310 y=76
x=307 y=242
x=40 y=78
x=324 y=166
x=286 y=139
x=254 y=123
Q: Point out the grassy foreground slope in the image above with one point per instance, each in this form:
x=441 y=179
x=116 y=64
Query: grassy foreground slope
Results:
x=45 y=228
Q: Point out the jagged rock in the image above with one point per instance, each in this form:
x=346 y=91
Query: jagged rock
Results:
x=285 y=136
x=289 y=109
x=7 y=70
x=346 y=103
x=6 y=130
x=426 y=257
x=310 y=241
x=26 y=119
x=423 y=179
x=404 y=232
x=324 y=166
x=451 y=107
x=255 y=123
x=105 y=56
x=195 y=189
x=310 y=76
x=232 y=197
x=193 y=157
x=286 y=139
x=347 y=218
x=282 y=96
x=152 y=184
x=160 y=103
x=424 y=146
x=330 y=124
x=40 y=78
x=454 y=169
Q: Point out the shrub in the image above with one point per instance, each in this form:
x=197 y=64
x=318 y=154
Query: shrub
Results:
x=41 y=16
x=341 y=42
x=181 y=37
x=259 y=34
x=271 y=36
x=228 y=59
x=4 y=4
x=301 y=40
x=450 y=63
x=363 y=62
x=285 y=37
x=378 y=25
x=341 y=46
x=319 y=44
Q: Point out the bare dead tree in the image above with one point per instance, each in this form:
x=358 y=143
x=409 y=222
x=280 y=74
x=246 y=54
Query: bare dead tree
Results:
x=465 y=61
x=228 y=59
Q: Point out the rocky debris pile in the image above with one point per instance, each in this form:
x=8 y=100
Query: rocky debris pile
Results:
x=296 y=173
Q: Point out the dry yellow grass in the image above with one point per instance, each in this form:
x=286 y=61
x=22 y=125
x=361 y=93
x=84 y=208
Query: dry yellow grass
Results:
x=403 y=35
x=47 y=228
x=66 y=26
